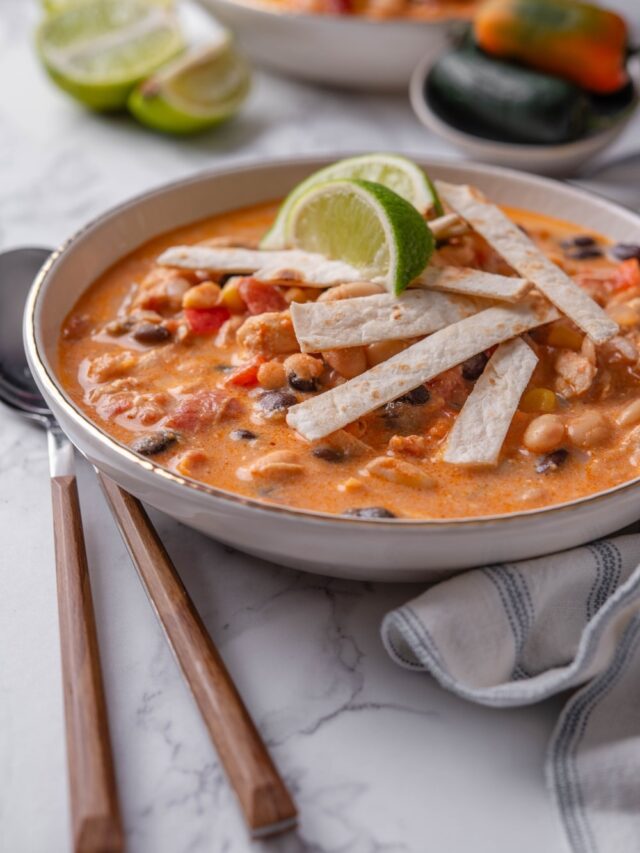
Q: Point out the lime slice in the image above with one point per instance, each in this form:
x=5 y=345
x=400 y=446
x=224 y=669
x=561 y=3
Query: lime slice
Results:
x=98 y=51
x=365 y=224
x=52 y=7
x=399 y=174
x=194 y=92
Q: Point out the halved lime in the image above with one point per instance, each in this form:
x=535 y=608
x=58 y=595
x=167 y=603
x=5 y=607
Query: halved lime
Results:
x=98 y=51
x=365 y=224
x=391 y=170
x=194 y=92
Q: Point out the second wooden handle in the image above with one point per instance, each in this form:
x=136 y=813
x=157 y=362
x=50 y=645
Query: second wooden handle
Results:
x=95 y=815
x=264 y=798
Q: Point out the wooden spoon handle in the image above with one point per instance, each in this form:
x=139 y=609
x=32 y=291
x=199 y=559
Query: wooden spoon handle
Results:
x=264 y=799
x=95 y=814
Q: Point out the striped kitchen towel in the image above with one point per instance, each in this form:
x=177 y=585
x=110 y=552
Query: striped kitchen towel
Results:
x=517 y=633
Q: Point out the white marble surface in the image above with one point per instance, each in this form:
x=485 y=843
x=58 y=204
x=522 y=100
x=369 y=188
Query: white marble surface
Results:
x=379 y=759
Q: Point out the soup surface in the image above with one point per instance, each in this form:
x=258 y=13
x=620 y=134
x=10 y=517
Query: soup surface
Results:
x=424 y=10
x=200 y=378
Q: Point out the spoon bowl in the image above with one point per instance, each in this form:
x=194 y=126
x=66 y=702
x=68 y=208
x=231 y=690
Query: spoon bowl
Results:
x=18 y=390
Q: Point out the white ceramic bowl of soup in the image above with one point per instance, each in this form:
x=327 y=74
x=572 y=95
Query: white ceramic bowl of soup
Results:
x=381 y=550
x=346 y=51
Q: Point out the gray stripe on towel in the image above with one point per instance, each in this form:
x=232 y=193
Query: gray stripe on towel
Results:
x=566 y=743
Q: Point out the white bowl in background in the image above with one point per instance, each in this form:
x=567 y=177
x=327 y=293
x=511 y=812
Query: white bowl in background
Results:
x=381 y=550
x=553 y=160
x=346 y=51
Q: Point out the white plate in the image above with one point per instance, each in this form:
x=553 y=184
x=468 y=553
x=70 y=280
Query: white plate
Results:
x=552 y=160
x=368 y=550
x=347 y=51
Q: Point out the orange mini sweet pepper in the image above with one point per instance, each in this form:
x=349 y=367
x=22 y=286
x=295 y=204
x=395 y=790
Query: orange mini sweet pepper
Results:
x=571 y=39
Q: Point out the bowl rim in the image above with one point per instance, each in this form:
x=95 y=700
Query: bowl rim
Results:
x=436 y=124
x=47 y=377
x=263 y=7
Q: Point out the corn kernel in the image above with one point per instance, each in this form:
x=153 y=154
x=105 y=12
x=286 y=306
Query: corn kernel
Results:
x=564 y=337
x=538 y=400
x=230 y=297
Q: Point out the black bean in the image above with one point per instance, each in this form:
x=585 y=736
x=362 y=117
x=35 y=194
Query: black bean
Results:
x=301 y=384
x=585 y=254
x=154 y=442
x=276 y=401
x=329 y=454
x=552 y=461
x=626 y=251
x=370 y=512
x=473 y=367
x=242 y=435
x=579 y=240
x=418 y=397
x=151 y=333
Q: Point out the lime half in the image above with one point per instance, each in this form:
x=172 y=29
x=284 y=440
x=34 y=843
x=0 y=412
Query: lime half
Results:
x=365 y=224
x=391 y=170
x=98 y=51
x=194 y=92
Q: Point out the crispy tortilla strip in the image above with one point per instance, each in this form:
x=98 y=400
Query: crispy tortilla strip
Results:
x=474 y=283
x=482 y=425
x=306 y=268
x=368 y=319
x=450 y=225
x=324 y=414
x=527 y=260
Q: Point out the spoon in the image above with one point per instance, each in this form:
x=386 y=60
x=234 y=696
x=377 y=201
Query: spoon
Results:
x=266 y=803
x=95 y=814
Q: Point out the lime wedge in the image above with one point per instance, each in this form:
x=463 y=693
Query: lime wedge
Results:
x=393 y=171
x=365 y=224
x=98 y=51
x=52 y=7
x=194 y=92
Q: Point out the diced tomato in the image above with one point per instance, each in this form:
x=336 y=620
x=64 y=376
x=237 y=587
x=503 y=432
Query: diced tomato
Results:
x=339 y=7
x=260 y=297
x=247 y=374
x=202 y=408
x=205 y=321
x=627 y=275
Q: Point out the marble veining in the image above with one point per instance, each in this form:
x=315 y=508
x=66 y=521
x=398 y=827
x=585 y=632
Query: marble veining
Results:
x=380 y=760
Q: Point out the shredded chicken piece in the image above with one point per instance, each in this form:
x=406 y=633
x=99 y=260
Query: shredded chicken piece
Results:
x=576 y=373
x=409 y=445
x=161 y=291
x=268 y=334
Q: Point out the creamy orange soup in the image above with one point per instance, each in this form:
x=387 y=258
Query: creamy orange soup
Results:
x=423 y=10
x=197 y=372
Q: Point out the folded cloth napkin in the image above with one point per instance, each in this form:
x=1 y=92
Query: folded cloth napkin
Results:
x=517 y=633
